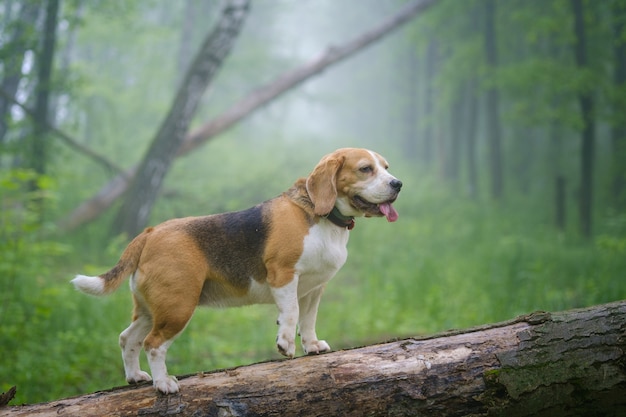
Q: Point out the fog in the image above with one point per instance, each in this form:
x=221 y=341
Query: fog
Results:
x=504 y=120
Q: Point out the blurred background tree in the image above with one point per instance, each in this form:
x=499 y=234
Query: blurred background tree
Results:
x=504 y=119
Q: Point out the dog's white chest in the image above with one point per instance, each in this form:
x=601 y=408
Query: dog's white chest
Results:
x=323 y=254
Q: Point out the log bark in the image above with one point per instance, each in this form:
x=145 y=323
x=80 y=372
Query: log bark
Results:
x=570 y=363
x=91 y=209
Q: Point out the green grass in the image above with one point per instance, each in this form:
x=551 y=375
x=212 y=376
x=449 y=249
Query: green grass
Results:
x=446 y=263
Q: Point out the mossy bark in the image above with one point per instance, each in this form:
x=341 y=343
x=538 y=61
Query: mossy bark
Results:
x=572 y=363
x=562 y=364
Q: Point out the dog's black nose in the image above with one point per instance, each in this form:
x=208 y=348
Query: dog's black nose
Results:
x=396 y=184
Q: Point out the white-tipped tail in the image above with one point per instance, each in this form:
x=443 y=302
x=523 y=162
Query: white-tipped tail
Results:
x=89 y=285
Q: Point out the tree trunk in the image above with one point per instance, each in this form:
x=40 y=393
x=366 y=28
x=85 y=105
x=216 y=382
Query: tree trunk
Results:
x=470 y=123
x=492 y=106
x=185 y=52
x=587 y=150
x=39 y=138
x=454 y=142
x=94 y=207
x=12 y=66
x=142 y=193
x=618 y=128
x=44 y=79
x=428 y=136
x=411 y=110
x=524 y=150
x=560 y=206
x=554 y=157
x=561 y=364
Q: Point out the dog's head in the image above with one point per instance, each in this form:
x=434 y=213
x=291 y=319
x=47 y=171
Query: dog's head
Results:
x=356 y=181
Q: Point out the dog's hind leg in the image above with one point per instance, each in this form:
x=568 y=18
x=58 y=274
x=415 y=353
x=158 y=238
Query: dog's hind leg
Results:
x=171 y=313
x=131 y=341
x=164 y=332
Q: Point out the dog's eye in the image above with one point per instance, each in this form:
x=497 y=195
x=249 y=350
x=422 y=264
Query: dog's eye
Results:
x=366 y=169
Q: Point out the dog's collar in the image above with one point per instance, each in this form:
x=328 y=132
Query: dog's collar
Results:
x=340 y=220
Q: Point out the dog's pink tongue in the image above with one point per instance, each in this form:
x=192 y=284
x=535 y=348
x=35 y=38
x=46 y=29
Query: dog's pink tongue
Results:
x=390 y=213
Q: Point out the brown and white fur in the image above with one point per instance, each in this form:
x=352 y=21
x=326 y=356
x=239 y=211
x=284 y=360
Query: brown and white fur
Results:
x=282 y=251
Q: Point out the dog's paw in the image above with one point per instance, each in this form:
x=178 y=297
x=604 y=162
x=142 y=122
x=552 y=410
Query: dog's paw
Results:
x=316 y=346
x=286 y=346
x=139 y=376
x=167 y=385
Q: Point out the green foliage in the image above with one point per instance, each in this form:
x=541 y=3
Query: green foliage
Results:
x=449 y=262
x=452 y=265
x=446 y=263
x=27 y=301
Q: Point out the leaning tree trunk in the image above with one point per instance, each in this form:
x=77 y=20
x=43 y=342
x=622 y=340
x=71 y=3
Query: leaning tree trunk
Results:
x=562 y=364
x=133 y=215
x=109 y=193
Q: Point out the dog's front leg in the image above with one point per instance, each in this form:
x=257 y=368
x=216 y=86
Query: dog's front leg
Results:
x=308 y=316
x=286 y=298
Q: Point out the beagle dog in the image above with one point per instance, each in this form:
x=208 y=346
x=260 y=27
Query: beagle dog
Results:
x=282 y=251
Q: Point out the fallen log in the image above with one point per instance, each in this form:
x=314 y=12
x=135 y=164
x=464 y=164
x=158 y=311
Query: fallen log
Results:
x=570 y=363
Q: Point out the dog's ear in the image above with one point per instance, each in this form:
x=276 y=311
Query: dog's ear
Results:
x=322 y=184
